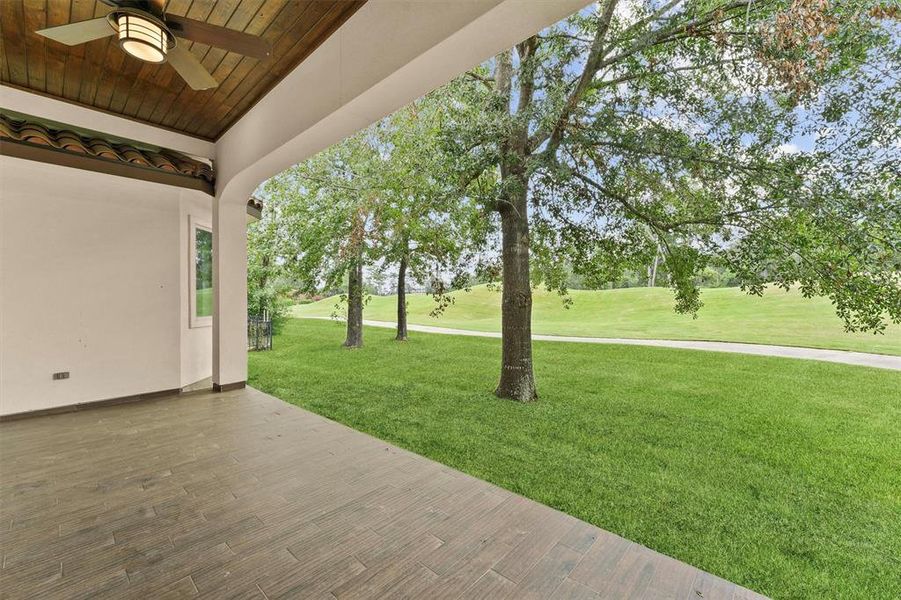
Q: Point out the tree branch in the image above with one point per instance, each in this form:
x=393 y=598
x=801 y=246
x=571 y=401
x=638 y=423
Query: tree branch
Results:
x=486 y=81
x=592 y=64
x=597 y=60
x=526 y=52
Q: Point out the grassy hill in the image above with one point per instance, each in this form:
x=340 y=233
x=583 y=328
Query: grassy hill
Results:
x=728 y=314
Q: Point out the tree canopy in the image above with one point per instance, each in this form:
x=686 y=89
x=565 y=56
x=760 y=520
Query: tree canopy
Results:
x=638 y=125
x=379 y=200
x=759 y=136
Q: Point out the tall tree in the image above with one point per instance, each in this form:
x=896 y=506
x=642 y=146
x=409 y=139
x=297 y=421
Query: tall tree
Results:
x=643 y=123
x=329 y=215
x=428 y=231
x=376 y=201
x=268 y=284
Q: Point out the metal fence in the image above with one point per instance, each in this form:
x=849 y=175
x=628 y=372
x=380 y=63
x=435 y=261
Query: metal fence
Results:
x=259 y=332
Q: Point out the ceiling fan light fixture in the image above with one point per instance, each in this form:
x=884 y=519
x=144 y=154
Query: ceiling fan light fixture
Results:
x=142 y=38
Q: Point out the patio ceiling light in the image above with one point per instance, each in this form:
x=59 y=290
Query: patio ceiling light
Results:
x=147 y=33
x=142 y=38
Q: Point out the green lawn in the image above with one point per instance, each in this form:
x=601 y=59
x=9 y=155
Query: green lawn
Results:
x=782 y=475
x=204 y=302
x=728 y=314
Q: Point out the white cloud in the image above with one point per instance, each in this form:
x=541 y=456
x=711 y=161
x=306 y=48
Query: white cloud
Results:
x=788 y=149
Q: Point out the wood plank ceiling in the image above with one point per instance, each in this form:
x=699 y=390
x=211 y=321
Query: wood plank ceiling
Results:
x=99 y=75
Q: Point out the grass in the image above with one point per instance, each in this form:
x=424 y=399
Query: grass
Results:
x=204 y=306
x=781 y=475
x=728 y=314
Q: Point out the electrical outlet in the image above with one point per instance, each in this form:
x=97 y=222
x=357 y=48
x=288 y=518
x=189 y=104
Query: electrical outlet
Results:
x=61 y=375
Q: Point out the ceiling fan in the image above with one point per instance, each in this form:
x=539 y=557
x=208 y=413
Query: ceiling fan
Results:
x=146 y=32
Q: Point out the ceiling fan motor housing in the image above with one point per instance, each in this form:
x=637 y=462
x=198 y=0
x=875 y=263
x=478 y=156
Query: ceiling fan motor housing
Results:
x=142 y=34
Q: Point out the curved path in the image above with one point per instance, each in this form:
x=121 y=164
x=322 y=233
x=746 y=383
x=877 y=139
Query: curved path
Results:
x=880 y=361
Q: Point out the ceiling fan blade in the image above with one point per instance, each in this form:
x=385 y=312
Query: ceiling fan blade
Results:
x=190 y=69
x=79 y=33
x=220 y=37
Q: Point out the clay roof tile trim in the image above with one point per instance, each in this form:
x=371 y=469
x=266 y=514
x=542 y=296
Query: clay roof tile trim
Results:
x=35 y=133
x=103 y=149
x=161 y=162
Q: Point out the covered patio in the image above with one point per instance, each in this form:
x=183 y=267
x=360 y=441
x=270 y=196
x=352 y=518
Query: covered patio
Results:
x=116 y=148
x=116 y=479
x=239 y=495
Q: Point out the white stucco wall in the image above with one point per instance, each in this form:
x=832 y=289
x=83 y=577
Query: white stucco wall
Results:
x=93 y=280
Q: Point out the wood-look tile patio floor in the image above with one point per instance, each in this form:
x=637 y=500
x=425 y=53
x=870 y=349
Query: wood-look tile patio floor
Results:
x=240 y=495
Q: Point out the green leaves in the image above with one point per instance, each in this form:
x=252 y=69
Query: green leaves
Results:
x=384 y=194
x=761 y=137
x=678 y=124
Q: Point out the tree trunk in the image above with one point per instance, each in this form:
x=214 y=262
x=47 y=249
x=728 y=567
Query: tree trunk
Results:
x=652 y=276
x=355 y=305
x=402 y=299
x=264 y=272
x=517 y=379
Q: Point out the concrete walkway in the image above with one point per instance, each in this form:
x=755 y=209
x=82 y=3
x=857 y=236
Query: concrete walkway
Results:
x=880 y=361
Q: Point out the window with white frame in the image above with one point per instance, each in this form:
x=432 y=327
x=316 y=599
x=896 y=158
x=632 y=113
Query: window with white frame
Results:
x=201 y=274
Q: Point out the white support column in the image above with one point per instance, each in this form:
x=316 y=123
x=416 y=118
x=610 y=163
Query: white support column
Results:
x=230 y=292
